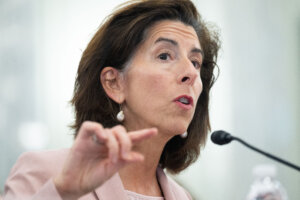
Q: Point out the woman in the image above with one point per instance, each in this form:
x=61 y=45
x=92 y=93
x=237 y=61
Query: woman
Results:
x=141 y=102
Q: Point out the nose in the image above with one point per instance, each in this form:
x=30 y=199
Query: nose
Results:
x=188 y=73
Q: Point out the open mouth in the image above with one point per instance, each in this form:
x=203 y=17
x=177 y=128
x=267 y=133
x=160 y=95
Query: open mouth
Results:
x=184 y=101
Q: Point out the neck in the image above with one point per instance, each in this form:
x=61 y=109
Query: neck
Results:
x=141 y=177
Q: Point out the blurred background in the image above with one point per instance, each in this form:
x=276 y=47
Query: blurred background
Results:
x=255 y=98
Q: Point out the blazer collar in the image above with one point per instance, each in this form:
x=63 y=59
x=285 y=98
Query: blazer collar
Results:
x=165 y=184
x=113 y=188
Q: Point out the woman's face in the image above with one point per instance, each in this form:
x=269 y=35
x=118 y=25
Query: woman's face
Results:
x=162 y=79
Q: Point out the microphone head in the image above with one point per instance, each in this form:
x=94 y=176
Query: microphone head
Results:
x=221 y=137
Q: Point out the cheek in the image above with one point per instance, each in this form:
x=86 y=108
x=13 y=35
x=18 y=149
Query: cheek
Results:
x=147 y=86
x=154 y=81
x=152 y=84
x=199 y=88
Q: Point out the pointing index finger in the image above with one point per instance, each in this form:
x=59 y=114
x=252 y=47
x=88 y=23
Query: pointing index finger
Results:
x=137 y=136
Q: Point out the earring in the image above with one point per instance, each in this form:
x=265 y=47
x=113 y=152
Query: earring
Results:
x=184 y=135
x=120 y=115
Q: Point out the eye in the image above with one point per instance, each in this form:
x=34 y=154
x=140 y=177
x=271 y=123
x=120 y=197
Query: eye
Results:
x=196 y=64
x=164 y=56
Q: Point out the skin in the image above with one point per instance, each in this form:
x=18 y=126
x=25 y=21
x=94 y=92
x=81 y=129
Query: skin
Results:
x=166 y=65
x=155 y=78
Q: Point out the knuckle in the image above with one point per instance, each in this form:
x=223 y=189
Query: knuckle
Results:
x=119 y=128
x=85 y=124
x=91 y=126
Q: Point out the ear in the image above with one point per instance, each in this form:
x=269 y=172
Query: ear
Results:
x=113 y=83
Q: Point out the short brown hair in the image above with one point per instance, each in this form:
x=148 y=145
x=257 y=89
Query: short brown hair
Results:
x=114 y=44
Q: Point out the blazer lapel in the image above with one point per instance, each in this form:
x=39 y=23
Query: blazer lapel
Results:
x=165 y=185
x=112 y=189
x=171 y=190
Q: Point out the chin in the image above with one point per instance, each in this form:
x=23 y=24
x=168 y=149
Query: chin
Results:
x=178 y=128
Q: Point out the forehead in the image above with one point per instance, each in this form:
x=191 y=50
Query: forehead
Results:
x=169 y=28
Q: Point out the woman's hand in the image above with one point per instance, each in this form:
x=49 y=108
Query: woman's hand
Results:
x=96 y=155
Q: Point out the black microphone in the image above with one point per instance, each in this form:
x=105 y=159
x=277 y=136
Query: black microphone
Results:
x=222 y=137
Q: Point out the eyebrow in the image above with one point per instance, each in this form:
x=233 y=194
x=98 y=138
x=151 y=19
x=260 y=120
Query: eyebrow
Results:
x=173 y=42
x=161 y=39
x=197 y=50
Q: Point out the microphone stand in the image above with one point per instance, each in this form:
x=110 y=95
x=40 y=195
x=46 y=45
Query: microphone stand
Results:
x=266 y=154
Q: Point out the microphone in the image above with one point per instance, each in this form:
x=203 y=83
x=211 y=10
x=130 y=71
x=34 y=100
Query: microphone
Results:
x=222 y=137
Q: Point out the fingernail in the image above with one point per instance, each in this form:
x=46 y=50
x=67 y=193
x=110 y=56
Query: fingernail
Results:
x=154 y=129
x=141 y=158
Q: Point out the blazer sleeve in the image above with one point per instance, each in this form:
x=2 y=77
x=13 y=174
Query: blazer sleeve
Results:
x=31 y=178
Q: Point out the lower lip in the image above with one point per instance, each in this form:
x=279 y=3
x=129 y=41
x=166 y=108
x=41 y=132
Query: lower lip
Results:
x=184 y=106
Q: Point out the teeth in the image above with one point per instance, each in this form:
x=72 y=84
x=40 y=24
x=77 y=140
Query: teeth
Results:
x=184 y=100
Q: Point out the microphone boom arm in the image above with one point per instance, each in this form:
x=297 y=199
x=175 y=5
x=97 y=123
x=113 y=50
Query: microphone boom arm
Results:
x=266 y=154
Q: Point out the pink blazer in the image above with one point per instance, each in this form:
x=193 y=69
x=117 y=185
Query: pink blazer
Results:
x=31 y=179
